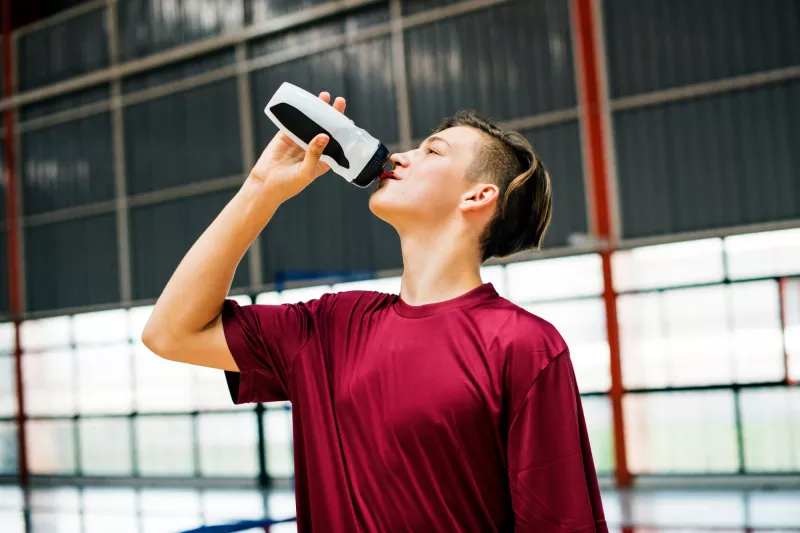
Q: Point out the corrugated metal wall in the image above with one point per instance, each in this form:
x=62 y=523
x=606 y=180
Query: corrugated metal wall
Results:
x=711 y=161
x=684 y=163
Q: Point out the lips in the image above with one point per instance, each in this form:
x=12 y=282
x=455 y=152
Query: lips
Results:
x=388 y=176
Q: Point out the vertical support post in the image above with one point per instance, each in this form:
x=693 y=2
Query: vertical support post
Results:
x=120 y=180
x=12 y=242
x=593 y=106
x=248 y=153
x=263 y=476
x=399 y=73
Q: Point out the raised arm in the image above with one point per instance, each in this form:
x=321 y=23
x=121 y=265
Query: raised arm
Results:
x=186 y=323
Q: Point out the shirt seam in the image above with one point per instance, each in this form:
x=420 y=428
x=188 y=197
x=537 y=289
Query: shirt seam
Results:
x=535 y=380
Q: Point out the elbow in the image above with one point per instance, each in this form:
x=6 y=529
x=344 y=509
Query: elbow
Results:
x=156 y=340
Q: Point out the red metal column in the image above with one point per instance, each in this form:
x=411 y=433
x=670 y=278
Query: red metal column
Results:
x=12 y=241
x=590 y=91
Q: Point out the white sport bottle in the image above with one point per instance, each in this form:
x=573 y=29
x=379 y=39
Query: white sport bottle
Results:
x=351 y=152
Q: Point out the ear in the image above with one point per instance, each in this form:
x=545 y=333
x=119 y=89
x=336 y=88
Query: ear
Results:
x=479 y=197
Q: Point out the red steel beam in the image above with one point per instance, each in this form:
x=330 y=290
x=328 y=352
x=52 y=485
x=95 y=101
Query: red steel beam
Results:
x=12 y=242
x=590 y=91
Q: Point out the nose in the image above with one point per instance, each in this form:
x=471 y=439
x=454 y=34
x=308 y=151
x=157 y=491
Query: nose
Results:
x=400 y=159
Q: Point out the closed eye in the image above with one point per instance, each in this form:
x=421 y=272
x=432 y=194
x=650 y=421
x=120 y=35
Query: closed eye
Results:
x=430 y=151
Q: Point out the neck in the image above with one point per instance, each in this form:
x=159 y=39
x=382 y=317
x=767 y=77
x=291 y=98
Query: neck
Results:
x=437 y=267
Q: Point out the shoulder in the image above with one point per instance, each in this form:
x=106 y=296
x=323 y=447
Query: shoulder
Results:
x=350 y=302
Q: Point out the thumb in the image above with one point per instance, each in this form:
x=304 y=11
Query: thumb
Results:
x=314 y=151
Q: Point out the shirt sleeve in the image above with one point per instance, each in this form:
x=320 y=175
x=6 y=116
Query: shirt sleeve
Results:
x=551 y=472
x=264 y=340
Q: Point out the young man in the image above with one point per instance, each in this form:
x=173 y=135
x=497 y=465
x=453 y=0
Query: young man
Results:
x=446 y=408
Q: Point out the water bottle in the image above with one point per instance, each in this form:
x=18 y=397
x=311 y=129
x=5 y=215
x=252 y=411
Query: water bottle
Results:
x=351 y=152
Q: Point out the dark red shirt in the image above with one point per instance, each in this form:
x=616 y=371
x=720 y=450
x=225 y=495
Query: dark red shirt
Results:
x=459 y=416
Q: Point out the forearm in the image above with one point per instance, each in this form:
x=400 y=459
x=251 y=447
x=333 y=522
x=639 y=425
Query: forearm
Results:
x=194 y=295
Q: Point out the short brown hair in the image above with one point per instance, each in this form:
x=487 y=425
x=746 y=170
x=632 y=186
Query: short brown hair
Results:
x=524 y=208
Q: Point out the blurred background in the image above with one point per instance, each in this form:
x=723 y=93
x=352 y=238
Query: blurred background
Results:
x=672 y=266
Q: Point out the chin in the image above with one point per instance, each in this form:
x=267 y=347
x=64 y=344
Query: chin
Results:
x=387 y=208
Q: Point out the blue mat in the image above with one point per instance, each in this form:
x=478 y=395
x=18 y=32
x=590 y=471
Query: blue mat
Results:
x=242 y=525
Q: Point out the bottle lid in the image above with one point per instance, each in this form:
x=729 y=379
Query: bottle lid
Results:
x=374 y=167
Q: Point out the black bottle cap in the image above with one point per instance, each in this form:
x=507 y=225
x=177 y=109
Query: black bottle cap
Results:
x=374 y=167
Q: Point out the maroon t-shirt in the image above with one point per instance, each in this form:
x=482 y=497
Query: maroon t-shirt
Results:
x=458 y=416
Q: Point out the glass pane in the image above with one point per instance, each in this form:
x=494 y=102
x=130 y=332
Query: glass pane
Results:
x=7 y=338
x=51 y=446
x=210 y=391
x=668 y=265
x=597 y=412
x=384 y=285
x=9 y=458
x=278 y=438
x=49 y=383
x=775 y=253
x=773 y=509
x=45 y=333
x=58 y=521
x=138 y=317
x=291 y=296
x=161 y=385
x=101 y=327
x=268 y=298
x=582 y=323
x=105 y=379
x=228 y=444
x=105 y=446
x=56 y=509
x=771 y=429
x=222 y=506
x=791 y=314
x=681 y=432
x=169 y=510
x=164 y=445
x=281 y=504
x=706 y=335
x=110 y=509
x=496 y=275
x=548 y=279
x=8 y=389
x=241 y=299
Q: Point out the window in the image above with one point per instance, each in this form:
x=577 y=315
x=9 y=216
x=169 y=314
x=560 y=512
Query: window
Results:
x=705 y=335
x=496 y=275
x=101 y=327
x=582 y=323
x=228 y=444
x=164 y=445
x=549 y=279
x=49 y=379
x=681 y=432
x=384 y=285
x=105 y=446
x=104 y=380
x=51 y=446
x=9 y=456
x=771 y=429
x=791 y=314
x=7 y=338
x=110 y=509
x=775 y=253
x=278 y=438
x=210 y=391
x=599 y=424
x=169 y=510
x=161 y=385
x=668 y=265
x=36 y=335
x=8 y=389
x=305 y=294
x=221 y=506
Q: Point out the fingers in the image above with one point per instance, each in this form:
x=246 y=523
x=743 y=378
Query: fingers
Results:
x=339 y=104
x=313 y=153
x=325 y=96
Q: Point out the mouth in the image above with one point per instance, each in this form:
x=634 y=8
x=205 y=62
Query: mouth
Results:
x=389 y=176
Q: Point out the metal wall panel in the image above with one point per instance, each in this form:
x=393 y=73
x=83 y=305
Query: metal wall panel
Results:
x=508 y=61
x=75 y=46
x=360 y=72
x=710 y=162
x=258 y=11
x=68 y=164
x=183 y=138
x=162 y=233
x=559 y=148
x=350 y=21
x=150 y=26
x=411 y=7
x=72 y=263
x=179 y=71
x=657 y=44
x=69 y=101
x=327 y=230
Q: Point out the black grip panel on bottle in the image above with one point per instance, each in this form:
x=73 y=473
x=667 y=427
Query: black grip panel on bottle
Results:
x=306 y=129
x=373 y=168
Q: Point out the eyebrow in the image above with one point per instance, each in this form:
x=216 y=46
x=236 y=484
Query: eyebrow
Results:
x=435 y=138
